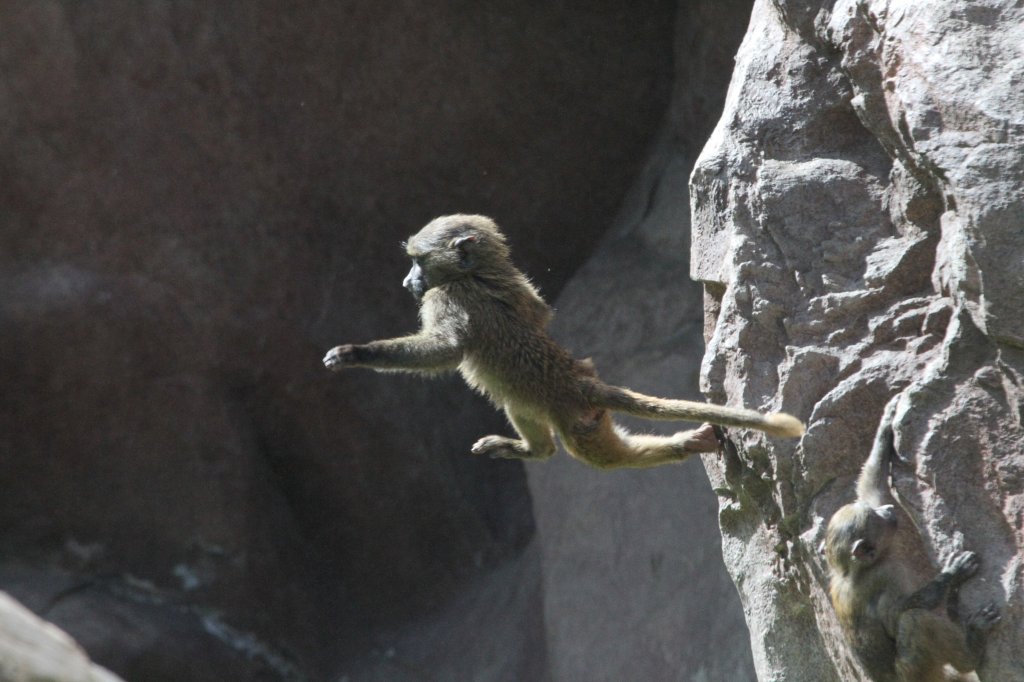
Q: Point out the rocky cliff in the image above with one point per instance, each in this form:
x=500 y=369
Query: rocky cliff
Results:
x=858 y=225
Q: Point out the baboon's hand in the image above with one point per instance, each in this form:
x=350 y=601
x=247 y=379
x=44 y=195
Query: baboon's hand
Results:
x=962 y=566
x=340 y=357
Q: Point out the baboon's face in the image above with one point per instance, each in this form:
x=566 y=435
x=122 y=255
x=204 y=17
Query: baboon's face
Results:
x=447 y=249
x=416 y=280
x=858 y=536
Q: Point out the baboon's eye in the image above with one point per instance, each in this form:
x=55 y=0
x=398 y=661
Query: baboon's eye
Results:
x=862 y=549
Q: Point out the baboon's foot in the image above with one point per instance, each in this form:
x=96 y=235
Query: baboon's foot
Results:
x=700 y=439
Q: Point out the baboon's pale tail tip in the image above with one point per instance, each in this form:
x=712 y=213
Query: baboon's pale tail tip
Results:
x=783 y=425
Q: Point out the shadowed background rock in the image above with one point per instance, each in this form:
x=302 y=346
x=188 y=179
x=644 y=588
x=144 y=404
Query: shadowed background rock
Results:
x=198 y=199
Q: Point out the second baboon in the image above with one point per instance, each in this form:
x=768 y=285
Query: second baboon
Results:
x=480 y=315
x=902 y=626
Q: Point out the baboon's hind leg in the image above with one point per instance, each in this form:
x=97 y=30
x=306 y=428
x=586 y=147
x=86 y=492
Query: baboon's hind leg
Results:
x=536 y=441
x=595 y=439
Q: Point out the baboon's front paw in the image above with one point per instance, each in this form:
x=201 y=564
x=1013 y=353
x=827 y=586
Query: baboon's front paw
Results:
x=340 y=357
x=986 y=617
x=963 y=565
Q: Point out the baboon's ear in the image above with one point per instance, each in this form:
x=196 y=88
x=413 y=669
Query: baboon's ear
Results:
x=464 y=245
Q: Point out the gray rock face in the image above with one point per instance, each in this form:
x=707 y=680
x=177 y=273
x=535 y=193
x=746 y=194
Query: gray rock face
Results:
x=857 y=219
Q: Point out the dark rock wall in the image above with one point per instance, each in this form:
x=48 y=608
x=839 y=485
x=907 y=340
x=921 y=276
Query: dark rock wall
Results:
x=197 y=200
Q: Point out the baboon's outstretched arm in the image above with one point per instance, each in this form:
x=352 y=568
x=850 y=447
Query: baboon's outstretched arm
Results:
x=873 y=485
x=415 y=353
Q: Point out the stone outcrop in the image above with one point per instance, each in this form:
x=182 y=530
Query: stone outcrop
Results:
x=858 y=219
x=32 y=650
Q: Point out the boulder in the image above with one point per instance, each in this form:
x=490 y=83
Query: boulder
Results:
x=33 y=650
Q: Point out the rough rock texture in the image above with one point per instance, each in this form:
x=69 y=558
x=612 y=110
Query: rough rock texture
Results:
x=32 y=650
x=197 y=200
x=633 y=580
x=858 y=220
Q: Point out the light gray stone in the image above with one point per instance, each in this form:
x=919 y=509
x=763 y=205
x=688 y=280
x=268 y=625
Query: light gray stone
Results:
x=33 y=650
x=858 y=219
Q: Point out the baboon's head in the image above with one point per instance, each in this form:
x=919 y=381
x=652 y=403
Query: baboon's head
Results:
x=453 y=247
x=858 y=537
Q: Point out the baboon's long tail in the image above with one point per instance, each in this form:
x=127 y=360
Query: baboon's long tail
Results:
x=630 y=402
